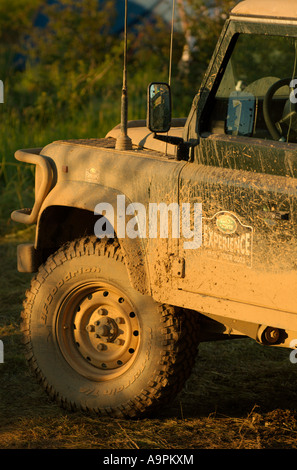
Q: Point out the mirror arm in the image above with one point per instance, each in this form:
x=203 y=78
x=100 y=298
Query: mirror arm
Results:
x=169 y=138
x=183 y=148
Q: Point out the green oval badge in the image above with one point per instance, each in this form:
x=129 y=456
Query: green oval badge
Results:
x=226 y=224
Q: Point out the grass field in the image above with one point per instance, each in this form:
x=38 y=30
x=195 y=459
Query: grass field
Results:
x=241 y=395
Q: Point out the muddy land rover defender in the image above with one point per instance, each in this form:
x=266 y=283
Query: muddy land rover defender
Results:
x=111 y=323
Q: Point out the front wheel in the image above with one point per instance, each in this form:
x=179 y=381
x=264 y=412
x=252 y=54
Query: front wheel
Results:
x=98 y=345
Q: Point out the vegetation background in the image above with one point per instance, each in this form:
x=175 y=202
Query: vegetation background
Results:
x=64 y=81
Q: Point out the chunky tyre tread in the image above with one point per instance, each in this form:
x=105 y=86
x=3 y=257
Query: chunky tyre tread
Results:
x=180 y=331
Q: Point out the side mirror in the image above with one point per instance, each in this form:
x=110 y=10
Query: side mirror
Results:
x=159 y=107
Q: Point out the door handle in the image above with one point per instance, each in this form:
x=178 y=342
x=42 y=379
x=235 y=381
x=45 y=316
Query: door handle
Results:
x=276 y=215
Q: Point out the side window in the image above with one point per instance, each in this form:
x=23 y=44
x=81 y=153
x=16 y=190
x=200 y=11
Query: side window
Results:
x=253 y=97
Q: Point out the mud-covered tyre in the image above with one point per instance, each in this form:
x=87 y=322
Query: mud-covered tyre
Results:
x=98 y=345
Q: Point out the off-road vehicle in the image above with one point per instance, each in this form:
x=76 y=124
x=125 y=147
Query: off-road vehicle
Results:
x=111 y=324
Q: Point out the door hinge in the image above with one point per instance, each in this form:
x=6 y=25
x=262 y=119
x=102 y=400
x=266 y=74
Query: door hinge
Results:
x=178 y=267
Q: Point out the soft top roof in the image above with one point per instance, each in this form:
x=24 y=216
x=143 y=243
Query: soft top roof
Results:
x=283 y=9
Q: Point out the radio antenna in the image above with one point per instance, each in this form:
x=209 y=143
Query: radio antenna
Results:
x=170 y=53
x=171 y=42
x=124 y=142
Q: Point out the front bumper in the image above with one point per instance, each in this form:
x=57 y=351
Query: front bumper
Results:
x=29 y=216
x=28 y=258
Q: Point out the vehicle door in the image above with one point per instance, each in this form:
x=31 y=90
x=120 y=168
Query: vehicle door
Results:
x=244 y=175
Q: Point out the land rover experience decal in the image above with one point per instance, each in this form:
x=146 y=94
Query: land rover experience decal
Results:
x=226 y=238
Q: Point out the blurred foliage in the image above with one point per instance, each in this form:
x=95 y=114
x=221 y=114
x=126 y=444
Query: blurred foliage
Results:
x=68 y=59
x=74 y=61
x=16 y=18
x=203 y=24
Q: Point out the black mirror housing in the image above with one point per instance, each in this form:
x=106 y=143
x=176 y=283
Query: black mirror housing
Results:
x=159 y=107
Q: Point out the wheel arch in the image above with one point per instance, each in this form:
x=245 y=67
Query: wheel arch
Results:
x=75 y=217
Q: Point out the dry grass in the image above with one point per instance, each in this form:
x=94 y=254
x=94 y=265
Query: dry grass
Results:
x=241 y=396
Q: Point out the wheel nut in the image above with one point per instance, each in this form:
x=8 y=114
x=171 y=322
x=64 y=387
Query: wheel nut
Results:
x=102 y=311
x=90 y=328
x=119 y=342
x=101 y=347
x=120 y=320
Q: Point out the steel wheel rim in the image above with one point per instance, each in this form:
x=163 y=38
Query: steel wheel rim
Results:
x=98 y=331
